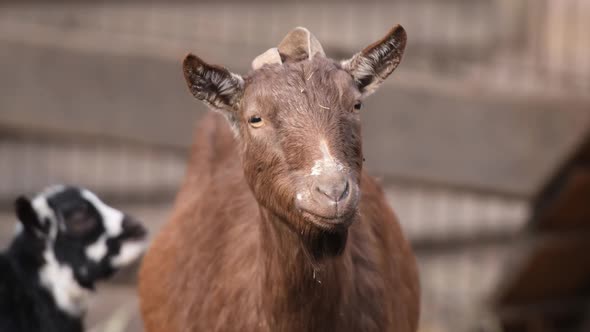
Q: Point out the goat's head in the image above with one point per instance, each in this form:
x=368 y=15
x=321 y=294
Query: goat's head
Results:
x=297 y=119
x=77 y=236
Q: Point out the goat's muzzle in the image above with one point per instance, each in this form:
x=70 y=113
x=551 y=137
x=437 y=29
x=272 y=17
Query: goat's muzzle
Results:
x=133 y=229
x=329 y=200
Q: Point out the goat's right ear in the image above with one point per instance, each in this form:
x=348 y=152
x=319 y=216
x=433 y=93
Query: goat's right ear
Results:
x=370 y=67
x=28 y=217
x=214 y=85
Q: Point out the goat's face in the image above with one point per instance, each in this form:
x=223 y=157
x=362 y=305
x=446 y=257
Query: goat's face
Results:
x=299 y=125
x=79 y=235
x=298 y=122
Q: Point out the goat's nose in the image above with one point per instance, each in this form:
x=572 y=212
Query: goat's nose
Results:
x=335 y=188
x=133 y=228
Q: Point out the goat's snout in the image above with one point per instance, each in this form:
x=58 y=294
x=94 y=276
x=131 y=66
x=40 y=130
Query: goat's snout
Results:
x=133 y=229
x=332 y=189
x=331 y=196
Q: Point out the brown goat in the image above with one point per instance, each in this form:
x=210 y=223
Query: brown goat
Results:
x=277 y=227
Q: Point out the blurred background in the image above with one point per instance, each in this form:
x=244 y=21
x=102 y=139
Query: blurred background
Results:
x=481 y=138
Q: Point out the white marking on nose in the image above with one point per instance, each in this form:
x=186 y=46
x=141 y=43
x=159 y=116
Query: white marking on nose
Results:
x=327 y=163
x=130 y=251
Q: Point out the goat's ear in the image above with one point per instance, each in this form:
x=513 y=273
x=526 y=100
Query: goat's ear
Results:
x=371 y=66
x=214 y=85
x=28 y=217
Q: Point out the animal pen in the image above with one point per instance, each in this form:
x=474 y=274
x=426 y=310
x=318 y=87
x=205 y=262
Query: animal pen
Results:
x=490 y=99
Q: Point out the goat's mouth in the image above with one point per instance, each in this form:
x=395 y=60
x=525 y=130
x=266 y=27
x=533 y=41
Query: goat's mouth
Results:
x=329 y=214
x=133 y=230
x=329 y=223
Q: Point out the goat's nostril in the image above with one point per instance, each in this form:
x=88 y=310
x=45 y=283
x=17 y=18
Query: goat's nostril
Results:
x=334 y=191
x=133 y=228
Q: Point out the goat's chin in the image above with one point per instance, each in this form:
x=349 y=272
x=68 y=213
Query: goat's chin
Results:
x=330 y=225
x=325 y=238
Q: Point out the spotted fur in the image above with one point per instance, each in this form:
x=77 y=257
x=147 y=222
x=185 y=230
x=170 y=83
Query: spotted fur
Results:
x=68 y=240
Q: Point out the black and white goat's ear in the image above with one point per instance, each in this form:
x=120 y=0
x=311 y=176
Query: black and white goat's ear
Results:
x=28 y=217
x=376 y=62
x=214 y=85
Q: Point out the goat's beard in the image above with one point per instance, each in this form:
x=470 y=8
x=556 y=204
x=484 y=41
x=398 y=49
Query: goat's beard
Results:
x=320 y=244
x=326 y=245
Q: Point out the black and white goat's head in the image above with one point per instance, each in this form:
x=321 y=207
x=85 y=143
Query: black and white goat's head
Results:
x=79 y=241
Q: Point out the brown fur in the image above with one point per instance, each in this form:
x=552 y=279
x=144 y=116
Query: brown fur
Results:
x=238 y=254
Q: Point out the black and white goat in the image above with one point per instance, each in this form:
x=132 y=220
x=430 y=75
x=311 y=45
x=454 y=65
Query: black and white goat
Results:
x=67 y=239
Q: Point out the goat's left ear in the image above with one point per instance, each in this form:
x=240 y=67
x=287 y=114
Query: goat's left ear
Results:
x=28 y=217
x=214 y=85
x=371 y=66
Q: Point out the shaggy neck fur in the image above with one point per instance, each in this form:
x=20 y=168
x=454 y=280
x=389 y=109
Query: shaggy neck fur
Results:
x=307 y=276
x=56 y=279
x=59 y=280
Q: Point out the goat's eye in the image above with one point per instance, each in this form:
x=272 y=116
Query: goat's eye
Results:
x=358 y=105
x=81 y=226
x=256 y=121
x=80 y=220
